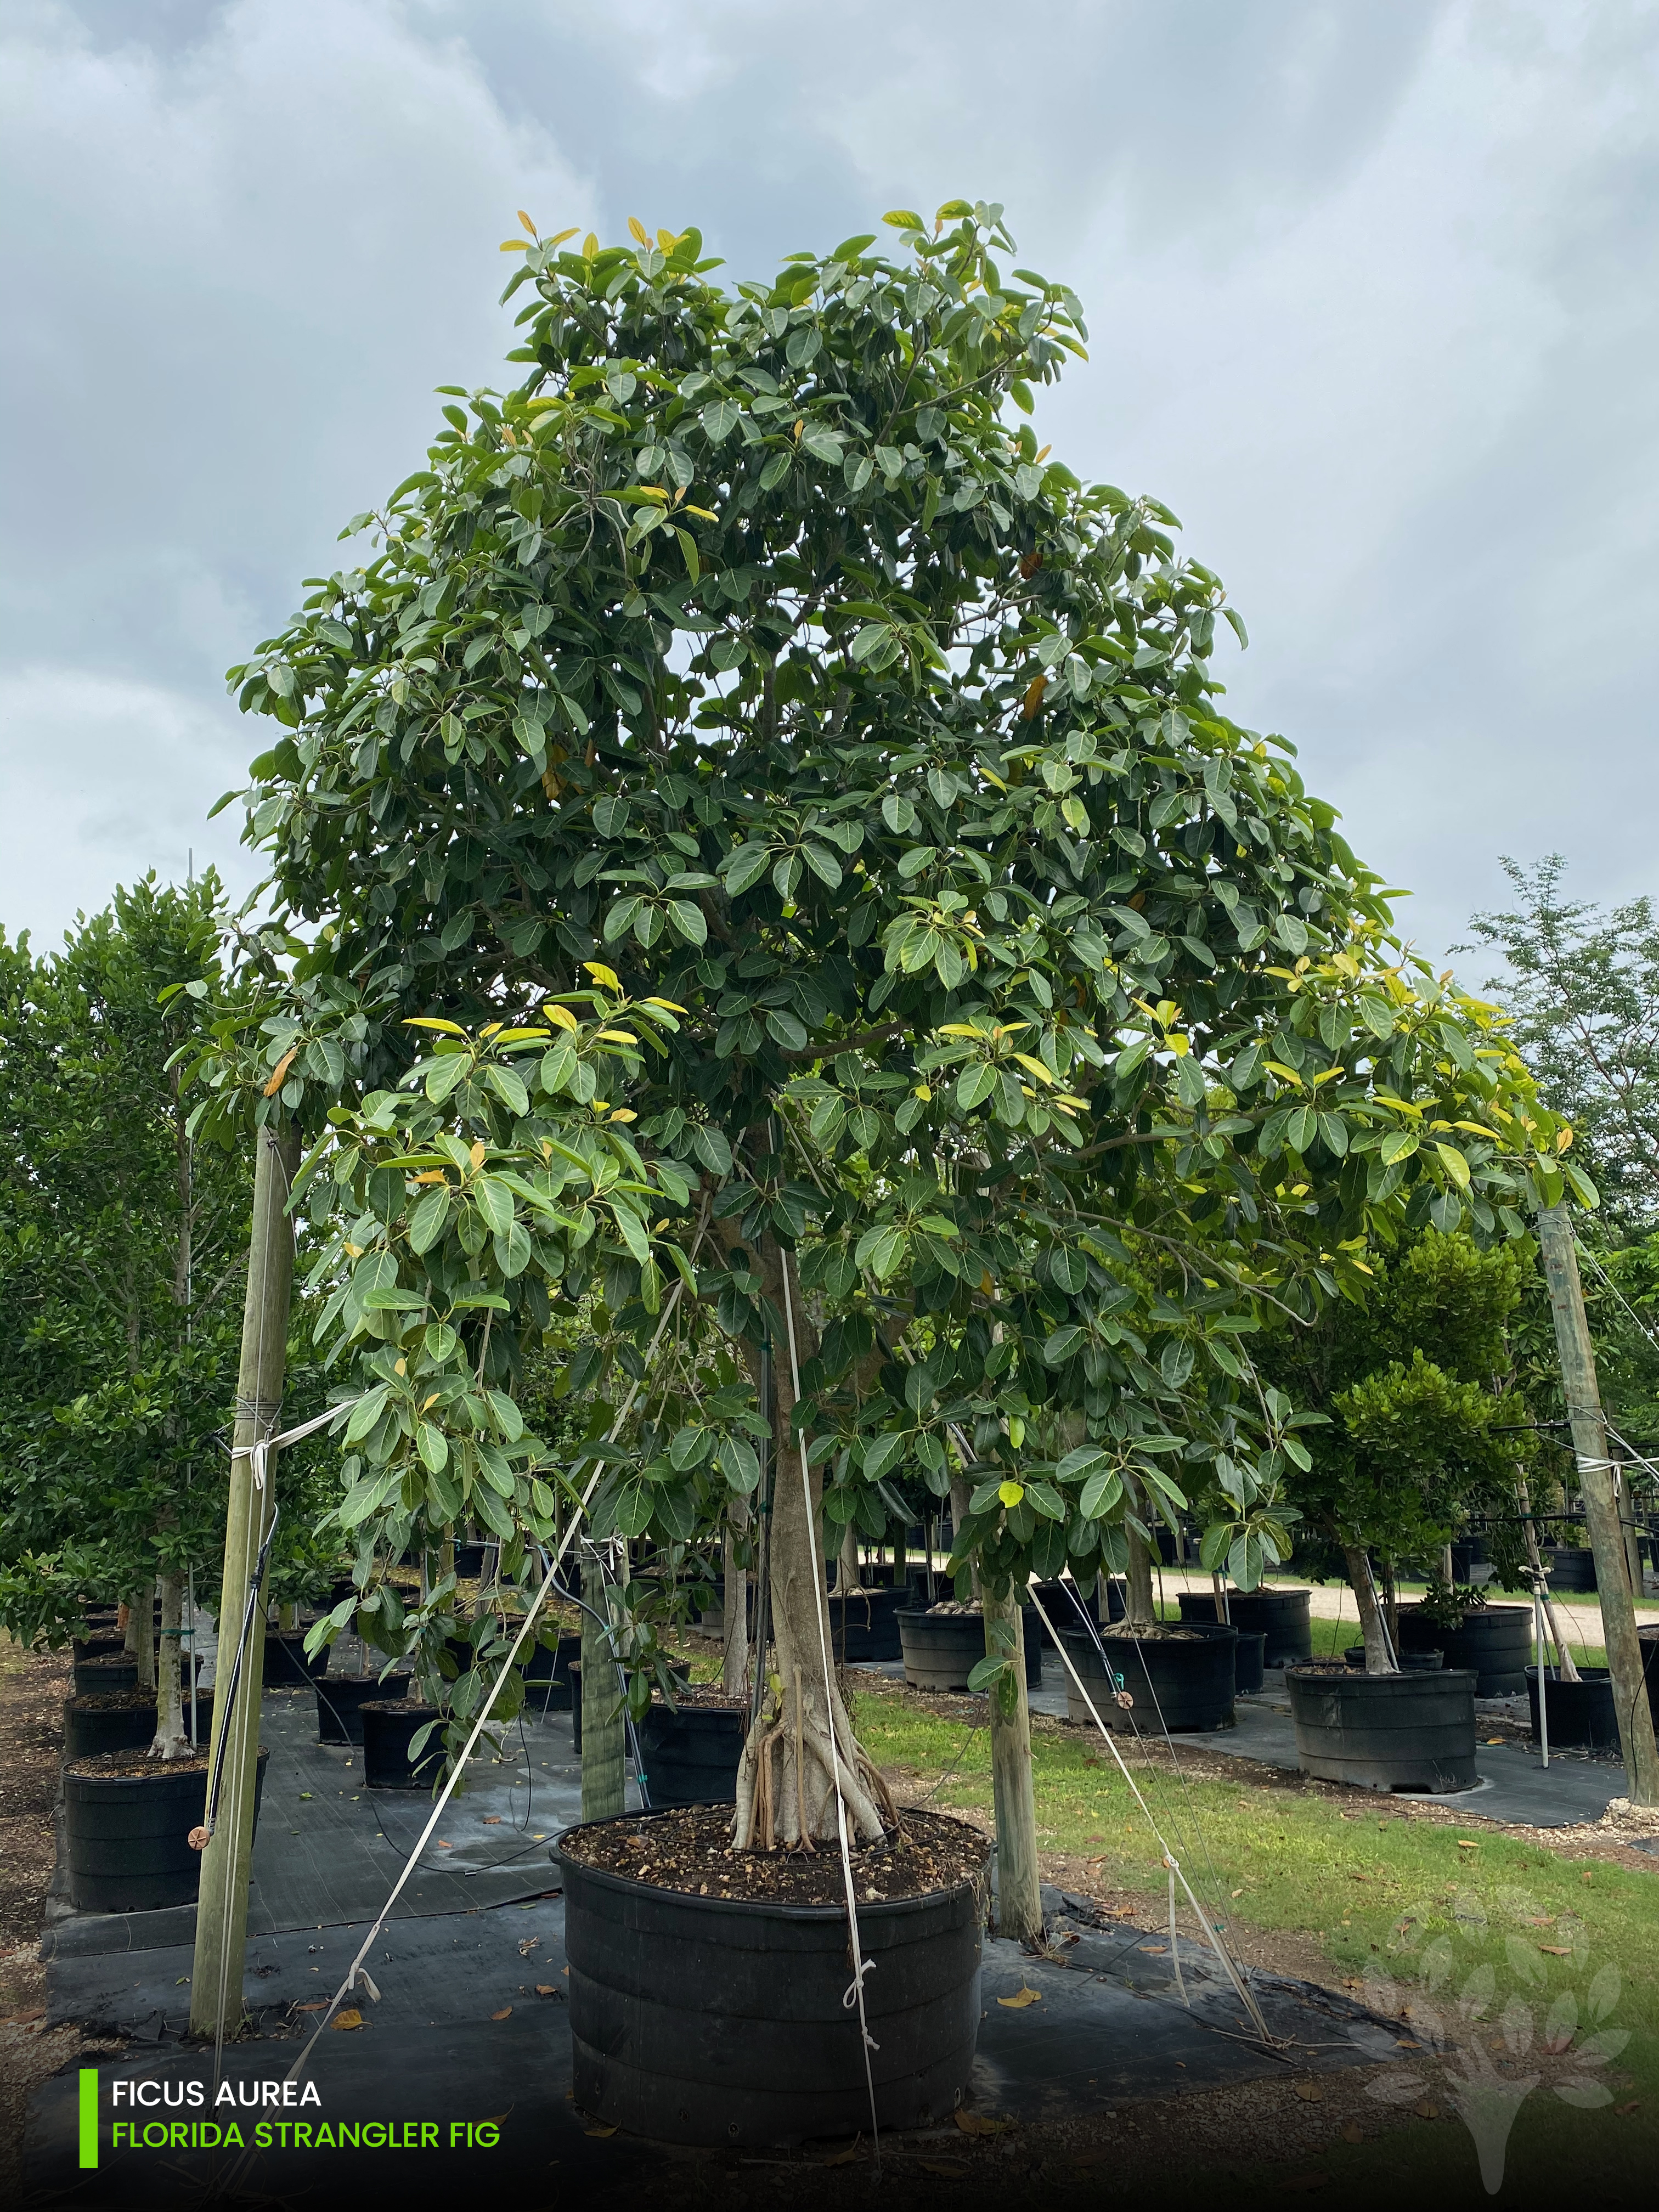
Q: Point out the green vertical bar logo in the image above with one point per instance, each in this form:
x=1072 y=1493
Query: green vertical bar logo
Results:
x=88 y=2116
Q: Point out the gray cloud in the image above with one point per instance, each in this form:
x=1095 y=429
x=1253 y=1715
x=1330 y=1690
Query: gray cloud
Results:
x=1371 y=290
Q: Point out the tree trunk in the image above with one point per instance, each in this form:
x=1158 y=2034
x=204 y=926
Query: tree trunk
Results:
x=1378 y=1657
x=1139 y=1603
x=1564 y=1663
x=141 y=1635
x=1019 y=1897
x=734 y=1612
x=802 y=1738
x=171 y=1740
x=1589 y=1444
x=605 y=1732
x=848 y=1571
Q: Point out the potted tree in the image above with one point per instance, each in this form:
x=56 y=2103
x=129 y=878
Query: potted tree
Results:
x=1419 y=1430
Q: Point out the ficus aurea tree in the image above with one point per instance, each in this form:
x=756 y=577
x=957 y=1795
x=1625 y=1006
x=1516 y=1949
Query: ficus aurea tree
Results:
x=1037 y=1026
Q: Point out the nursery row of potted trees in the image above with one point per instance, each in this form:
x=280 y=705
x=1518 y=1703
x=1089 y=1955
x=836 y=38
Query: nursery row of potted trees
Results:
x=791 y=999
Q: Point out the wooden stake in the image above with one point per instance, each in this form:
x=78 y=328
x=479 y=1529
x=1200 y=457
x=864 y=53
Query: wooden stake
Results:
x=1590 y=1442
x=216 y=1989
x=1020 y=1896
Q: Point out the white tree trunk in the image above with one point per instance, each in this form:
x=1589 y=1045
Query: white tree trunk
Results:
x=171 y=1740
x=1377 y=1658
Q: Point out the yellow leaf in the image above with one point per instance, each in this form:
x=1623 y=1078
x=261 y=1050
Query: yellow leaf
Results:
x=506 y=2012
x=477 y=1153
x=672 y=1007
x=563 y=1016
x=350 y=2018
x=1021 y=1999
x=432 y=1022
x=603 y=974
x=1010 y=1493
x=980 y=2124
x=430 y=1175
x=702 y=511
x=1036 y=1067
x=280 y=1071
x=560 y=236
x=515 y=245
x=600 y=2127
x=527 y=224
x=624 y=1114
x=638 y=230
x=1033 y=699
x=619 y=1036
x=589 y=247
x=667 y=241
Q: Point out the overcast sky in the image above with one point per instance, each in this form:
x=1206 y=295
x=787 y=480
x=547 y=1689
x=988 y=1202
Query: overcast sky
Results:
x=1373 y=288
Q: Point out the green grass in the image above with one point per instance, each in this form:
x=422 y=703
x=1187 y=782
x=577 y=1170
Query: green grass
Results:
x=1348 y=1884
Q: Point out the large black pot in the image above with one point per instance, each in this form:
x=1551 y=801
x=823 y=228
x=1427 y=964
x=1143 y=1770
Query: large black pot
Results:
x=1062 y=1599
x=691 y=1754
x=288 y=1666
x=341 y=1699
x=703 y=2020
x=98 y=1647
x=547 y=1674
x=1493 y=1644
x=1182 y=1683
x=1249 y=1657
x=1582 y=1713
x=1410 y=1732
x=109 y=1670
x=864 y=1624
x=388 y=1724
x=1569 y=1567
x=941 y=1649
x=128 y=1836
x=105 y=1721
x=1280 y=1615
x=470 y=1560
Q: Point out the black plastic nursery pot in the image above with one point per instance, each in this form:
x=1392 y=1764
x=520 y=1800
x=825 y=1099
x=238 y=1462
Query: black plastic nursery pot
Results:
x=1282 y=1616
x=691 y=1753
x=1411 y=1663
x=341 y=1699
x=1569 y=1566
x=469 y=1561
x=941 y=1649
x=127 y=1836
x=1413 y=1731
x=107 y=1720
x=547 y=1674
x=721 y=2021
x=864 y=1624
x=288 y=1665
x=1183 y=1683
x=97 y=1647
x=1494 y=1645
x=1061 y=1599
x=110 y=1670
x=388 y=1724
x=1581 y=1714
x=1249 y=1658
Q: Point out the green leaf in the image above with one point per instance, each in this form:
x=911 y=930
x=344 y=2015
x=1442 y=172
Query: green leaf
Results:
x=494 y=1202
x=508 y=1087
x=974 y=1085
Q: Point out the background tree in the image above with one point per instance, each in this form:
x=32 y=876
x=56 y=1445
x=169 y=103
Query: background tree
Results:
x=1422 y=1426
x=121 y=1253
x=1581 y=982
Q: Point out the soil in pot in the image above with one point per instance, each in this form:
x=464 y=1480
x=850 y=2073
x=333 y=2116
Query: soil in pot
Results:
x=1581 y=1714
x=1410 y=1732
x=692 y=1750
x=288 y=1666
x=1494 y=1643
x=127 y=1821
x=108 y=1720
x=942 y=1645
x=341 y=1699
x=1179 y=1679
x=706 y=1986
x=388 y=1725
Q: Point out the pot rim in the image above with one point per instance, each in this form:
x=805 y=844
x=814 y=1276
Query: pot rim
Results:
x=1332 y=1671
x=630 y=1886
x=168 y=1770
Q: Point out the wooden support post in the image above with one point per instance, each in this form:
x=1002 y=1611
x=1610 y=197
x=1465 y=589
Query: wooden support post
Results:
x=216 y=1987
x=605 y=1789
x=1019 y=1897
x=1601 y=1517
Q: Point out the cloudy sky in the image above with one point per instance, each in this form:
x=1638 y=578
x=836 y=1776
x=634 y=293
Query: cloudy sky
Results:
x=1374 y=295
